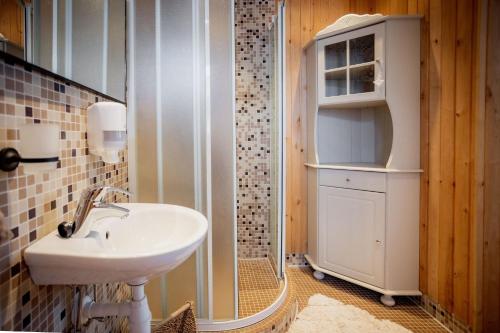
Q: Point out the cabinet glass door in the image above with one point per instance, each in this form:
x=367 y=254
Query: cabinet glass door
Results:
x=336 y=83
x=335 y=70
x=362 y=49
x=361 y=64
x=350 y=66
x=361 y=79
x=335 y=55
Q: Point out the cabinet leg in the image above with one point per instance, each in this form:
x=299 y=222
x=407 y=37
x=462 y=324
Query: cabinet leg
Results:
x=387 y=300
x=319 y=275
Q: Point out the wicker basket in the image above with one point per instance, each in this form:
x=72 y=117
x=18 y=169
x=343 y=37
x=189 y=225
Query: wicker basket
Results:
x=181 y=321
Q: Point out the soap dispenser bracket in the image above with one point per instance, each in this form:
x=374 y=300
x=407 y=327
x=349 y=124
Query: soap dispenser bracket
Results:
x=10 y=159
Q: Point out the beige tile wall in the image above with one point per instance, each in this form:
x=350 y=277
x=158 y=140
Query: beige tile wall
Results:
x=253 y=127
x=34 y=205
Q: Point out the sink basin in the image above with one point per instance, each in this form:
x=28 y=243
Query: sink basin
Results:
x=152 y=239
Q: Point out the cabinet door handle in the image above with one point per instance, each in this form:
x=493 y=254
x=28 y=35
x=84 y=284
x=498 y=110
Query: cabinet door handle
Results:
x=379 y=79
x=379 y=242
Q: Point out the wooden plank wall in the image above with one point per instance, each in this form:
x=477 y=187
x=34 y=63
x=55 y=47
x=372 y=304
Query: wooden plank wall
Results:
x=304 y=18
x=491 y=231
x=447 y=68
x=12 y=21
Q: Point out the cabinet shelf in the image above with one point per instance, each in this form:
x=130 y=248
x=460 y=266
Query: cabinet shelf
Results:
x=364 y=64
x=369 y=167
x=348 y=166
x=362 y=135
x=336 y=73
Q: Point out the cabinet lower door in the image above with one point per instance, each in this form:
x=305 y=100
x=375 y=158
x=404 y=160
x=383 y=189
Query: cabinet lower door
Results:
x=351 y=233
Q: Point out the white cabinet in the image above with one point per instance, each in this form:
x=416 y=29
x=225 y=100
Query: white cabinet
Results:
x=352 y=233
x=351 y=67
x=363 y=152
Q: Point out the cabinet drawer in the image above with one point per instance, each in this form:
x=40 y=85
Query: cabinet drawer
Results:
x=357 y=180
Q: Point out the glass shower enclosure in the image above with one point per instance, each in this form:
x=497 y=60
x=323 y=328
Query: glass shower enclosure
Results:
x=181 y=105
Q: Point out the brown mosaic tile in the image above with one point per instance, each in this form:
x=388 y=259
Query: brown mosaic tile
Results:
x=302 y=285
x=34 y=205
x=253 y=130
x=297 y=260
x=441 y=315
x=256 y=274
x=258 y=286
x=405 y=313
x=279 y=321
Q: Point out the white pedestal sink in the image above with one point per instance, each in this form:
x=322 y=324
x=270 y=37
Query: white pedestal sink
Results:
x=152 y=239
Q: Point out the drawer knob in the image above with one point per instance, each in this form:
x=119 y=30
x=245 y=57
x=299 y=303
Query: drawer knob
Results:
x=347 y=180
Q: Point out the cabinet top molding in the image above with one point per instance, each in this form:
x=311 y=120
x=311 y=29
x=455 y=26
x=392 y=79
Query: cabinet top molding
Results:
x=354 y=21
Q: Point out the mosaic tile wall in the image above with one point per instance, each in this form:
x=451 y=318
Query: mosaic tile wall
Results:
x=441 y=315
x=253 y=128
x=296 y=260
x=33 y=205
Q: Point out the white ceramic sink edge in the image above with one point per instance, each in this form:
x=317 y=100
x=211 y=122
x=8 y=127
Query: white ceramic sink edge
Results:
x=153 y=239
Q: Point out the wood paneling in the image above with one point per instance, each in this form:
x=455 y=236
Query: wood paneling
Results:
x=296 y=200
x=477 y=168
x=448 y=67
x=12 y=21
x=432 y=89
x=446 y=177
x=463 y=142
x=491 y=254
x=304 y=18
x=423 y=10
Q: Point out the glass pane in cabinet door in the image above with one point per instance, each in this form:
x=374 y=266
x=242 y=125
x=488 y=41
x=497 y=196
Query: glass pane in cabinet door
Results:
x=361 y=79
x=336 y=83
x=362 y=49
x=335 y=55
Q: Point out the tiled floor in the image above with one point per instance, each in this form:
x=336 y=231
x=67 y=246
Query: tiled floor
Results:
x=255 y=274
x=405 y=313
x=257 y=284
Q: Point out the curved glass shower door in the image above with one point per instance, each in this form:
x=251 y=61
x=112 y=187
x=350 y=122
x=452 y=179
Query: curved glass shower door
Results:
x=182 y=148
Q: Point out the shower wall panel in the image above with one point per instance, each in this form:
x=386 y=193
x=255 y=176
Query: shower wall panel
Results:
x=222 y=158
x=177 y=131
x=184 y=132
x=164 y=129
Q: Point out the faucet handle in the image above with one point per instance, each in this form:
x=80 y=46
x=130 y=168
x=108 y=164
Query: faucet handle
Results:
x=109 y=189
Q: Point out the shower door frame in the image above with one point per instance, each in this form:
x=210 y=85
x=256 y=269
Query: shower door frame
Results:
x=282 y=146
x=276 y=35
x=204 y=262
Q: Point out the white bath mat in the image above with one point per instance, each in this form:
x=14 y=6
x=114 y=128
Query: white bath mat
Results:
x=324 y=314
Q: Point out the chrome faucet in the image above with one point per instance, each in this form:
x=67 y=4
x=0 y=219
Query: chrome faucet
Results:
x=92 y=197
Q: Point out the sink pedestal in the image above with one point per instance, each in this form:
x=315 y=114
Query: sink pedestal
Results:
x=137 y=310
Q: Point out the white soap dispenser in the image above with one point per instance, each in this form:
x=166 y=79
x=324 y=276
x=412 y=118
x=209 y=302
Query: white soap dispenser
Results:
x=107 y=130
